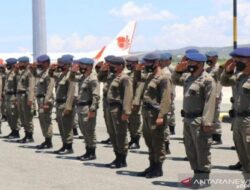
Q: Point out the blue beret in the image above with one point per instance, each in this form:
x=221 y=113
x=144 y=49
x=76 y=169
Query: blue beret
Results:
x=196 y=57
x=66 y=59
x=192 y=50
x=43 y=58
x=165 y=56
x=68 y=56
x=117 y=61
x=151 y=57
x=212 y=54
x=24 y=59
x=86 y=61
x=132 y=59
x=108 y=58
x=11 y=61
x=241 y=52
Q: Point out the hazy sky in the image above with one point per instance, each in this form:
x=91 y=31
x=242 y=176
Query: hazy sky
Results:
x=83 y=25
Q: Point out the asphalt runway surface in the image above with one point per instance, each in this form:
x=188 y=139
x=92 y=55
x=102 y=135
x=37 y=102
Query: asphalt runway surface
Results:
x=22 y=167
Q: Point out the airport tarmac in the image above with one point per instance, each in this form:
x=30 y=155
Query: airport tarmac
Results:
x=24 y=168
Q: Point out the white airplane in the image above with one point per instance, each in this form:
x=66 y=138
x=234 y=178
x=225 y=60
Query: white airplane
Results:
x=120 y=46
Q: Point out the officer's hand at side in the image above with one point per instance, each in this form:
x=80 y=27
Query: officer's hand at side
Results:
x=66 y=112
x=159 y=121
x=208 y=129
x=182 y=66
x=91 y=114
x=45 y=107
x=125 y=117
x=29 y=103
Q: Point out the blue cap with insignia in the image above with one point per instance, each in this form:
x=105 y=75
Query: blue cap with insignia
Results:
x=11 y=61
x=66 y=59
x=108 y=58
x=241 y=52
x=117 y=61
x=24 y=59
x=191 y=50
x=151 y=57
x=132 y=59
x=43 y=58
x=196 y=57
x=165 y=56
x=86 y=61
x=212 y=54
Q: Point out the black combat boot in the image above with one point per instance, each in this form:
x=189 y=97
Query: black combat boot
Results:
x=113 y=163
x=68 y=149
x=62 y=149
x=156 y=171
x=82 y=157
x=167 y=149
x=28 y=138
x=147 y=170
x=237 y=166
x=216 y=139
x=91 y=155
x=106 y=141
x=172 y=129
x=201 y=180
x=134 y=143
x=75 y=132
x=13 y=135
x=121 y=161
x=46 y=144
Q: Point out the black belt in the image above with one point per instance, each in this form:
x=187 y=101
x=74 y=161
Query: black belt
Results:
x=190 y=115
x=84 y=103
x=60 y=101
x=21 y=92
x=40 y=96
x=10 y=93
x=150 y=106
x=115 y=104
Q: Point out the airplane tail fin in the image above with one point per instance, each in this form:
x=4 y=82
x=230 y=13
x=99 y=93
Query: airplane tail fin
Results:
x=121 y=44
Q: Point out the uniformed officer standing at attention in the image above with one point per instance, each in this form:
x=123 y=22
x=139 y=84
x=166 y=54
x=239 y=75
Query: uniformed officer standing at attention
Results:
x=165 y=62
x=134 y=125
x=241 y=127
x=198 y=113
x=10 y=98
x=87 y=104
x=156 y=104
x=215 y=71
x=45 y=100
x=119 y=97
x=106 y=77
x=25 y=98
x=64 y=102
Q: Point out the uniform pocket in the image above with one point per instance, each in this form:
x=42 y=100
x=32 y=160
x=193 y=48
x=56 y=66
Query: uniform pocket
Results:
x=194 y=90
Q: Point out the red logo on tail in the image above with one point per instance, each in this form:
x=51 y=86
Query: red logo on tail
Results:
x=123 y=42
